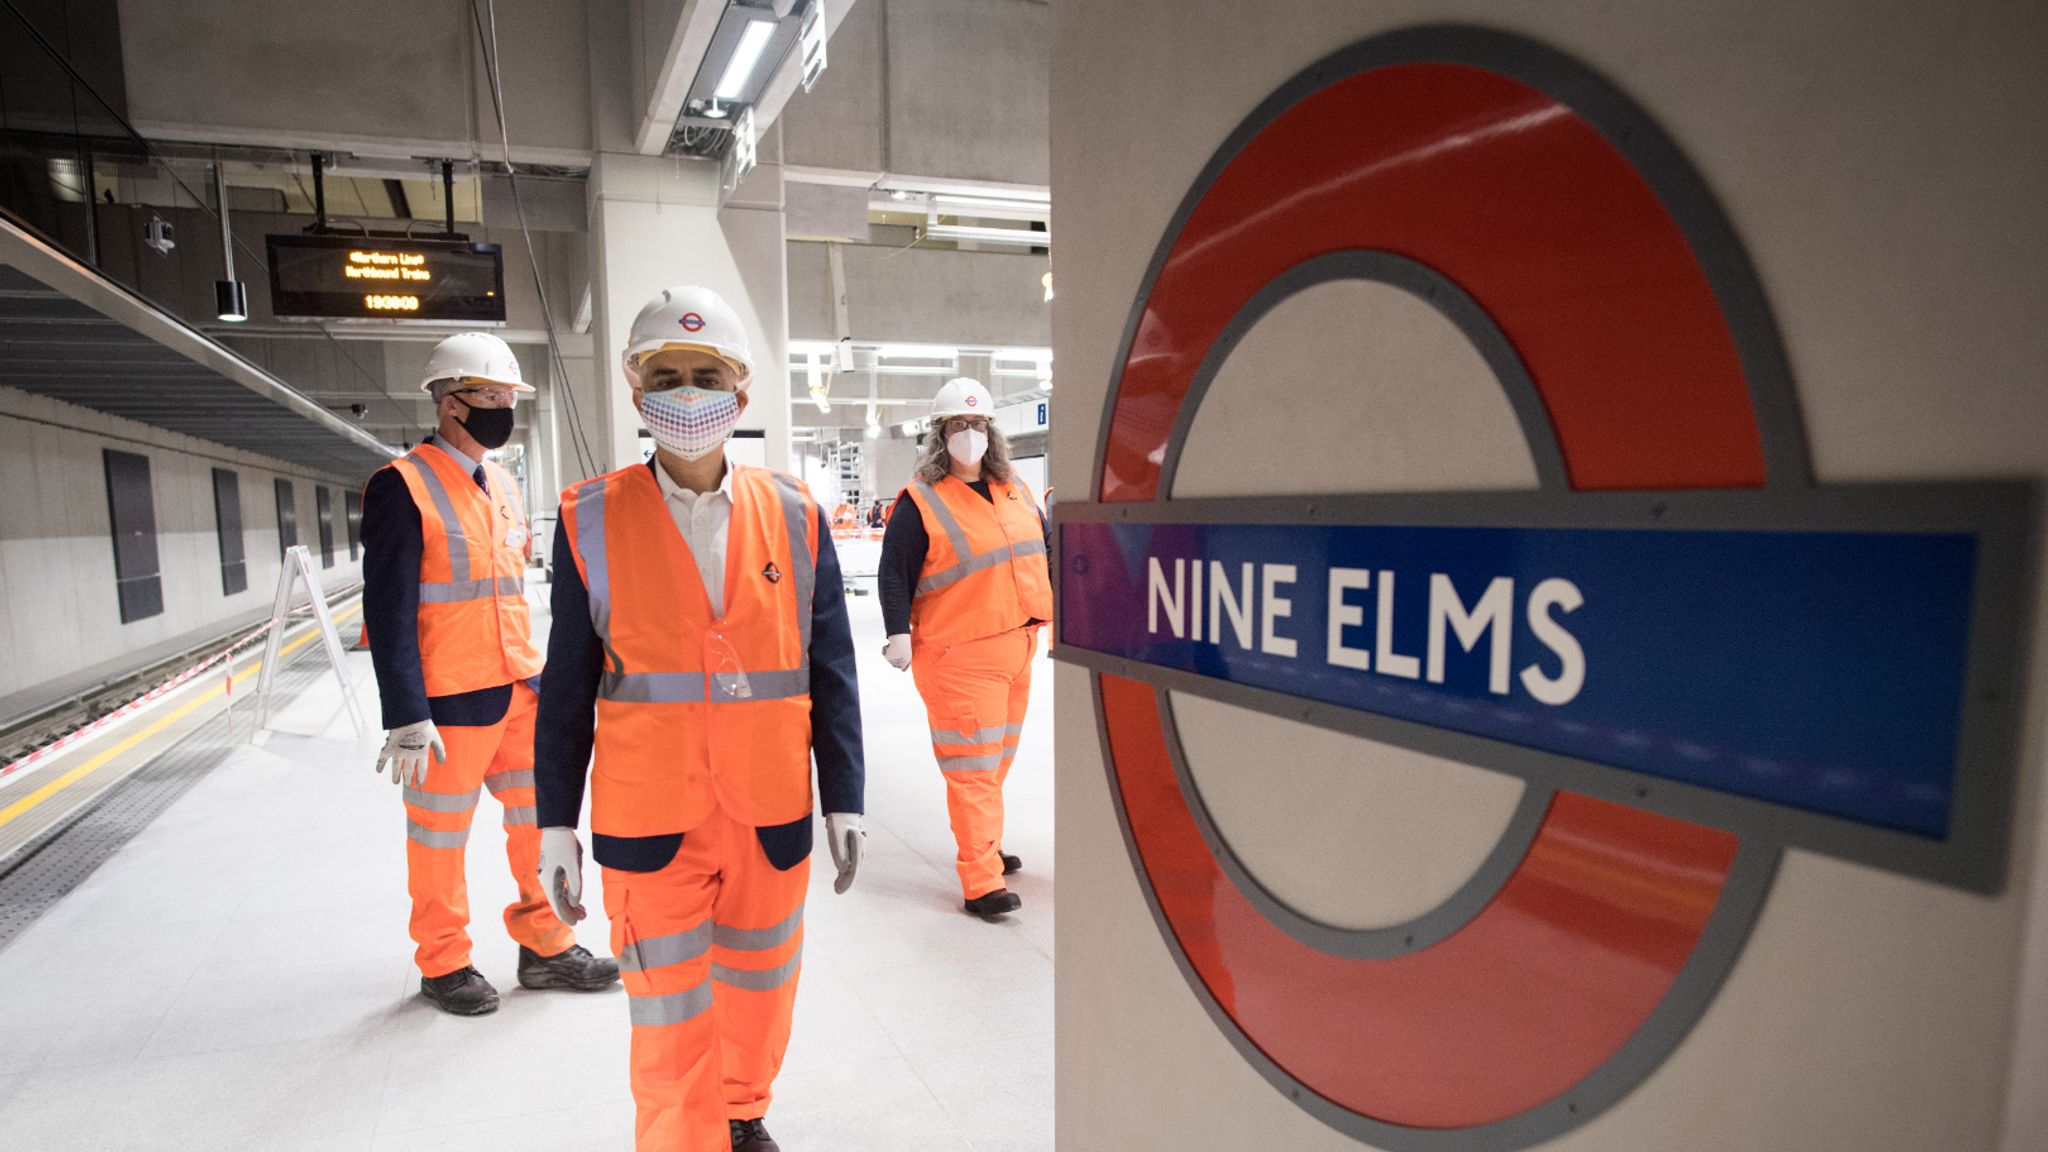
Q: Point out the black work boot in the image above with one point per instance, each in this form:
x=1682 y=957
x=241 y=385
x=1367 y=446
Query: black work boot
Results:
x=574 y=968
x=993 y=904
x=751 y=1136
x=1011 y=863
x=463 y=992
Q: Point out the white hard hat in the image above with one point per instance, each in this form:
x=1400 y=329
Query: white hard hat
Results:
x=473 y=356
x=963 y=396
x=688 y=317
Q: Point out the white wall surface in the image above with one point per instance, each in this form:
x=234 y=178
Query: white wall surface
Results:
x=1873 y=159
x=58 y=614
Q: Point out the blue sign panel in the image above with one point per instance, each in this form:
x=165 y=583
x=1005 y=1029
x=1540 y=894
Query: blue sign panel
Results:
x=1820 y=670
x=1043 y=420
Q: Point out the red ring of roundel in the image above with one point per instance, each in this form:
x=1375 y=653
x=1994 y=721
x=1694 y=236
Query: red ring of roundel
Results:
x=1523 y=204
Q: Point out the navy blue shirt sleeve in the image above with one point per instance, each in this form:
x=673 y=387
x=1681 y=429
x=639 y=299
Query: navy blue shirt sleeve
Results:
x=392 y=542
x=835 y=689
x=903 y=548
x=566 y=728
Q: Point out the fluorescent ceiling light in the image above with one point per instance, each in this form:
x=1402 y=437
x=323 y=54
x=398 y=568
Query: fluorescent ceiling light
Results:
x=966 y=205
x=740 y=68
x=917 y=352
x=977 y=235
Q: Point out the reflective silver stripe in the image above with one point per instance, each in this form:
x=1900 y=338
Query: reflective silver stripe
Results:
x=420 y=834
x=758 y=939
x=597 y=573
x=800 y=556
x=988 y=763
x=985 y=736
x=653 y=1011
x=441 y=801
x=457 y=591
x=662 y=951
x=955 y=534
x=451 y=524
x=519 y=816
x=516 y=778
x=691 y=687
x=980 y=562
x=763 y=981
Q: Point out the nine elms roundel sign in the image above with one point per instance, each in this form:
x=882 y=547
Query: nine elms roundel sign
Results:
x=1692 y=655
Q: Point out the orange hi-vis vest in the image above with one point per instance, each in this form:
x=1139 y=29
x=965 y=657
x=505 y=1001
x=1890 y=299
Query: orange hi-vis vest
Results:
x=693 y=710
x=985 y=569
x=475 y=628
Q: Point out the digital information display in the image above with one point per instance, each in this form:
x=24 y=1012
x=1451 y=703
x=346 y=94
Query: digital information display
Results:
x=366 y=278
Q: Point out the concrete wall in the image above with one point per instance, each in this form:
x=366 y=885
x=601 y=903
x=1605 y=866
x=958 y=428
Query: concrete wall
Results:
x=381 y=73
x=1873 y=160
x=59 y=619
x=918 y=296
x=953 y=88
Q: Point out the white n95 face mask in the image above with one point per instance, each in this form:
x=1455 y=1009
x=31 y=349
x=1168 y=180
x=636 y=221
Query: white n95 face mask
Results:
x=967 y=446
x=690 y=421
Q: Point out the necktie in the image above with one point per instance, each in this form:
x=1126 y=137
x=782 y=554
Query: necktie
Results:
x=480 y=481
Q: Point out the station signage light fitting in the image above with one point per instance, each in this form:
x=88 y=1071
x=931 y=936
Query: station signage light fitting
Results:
x=380 y=278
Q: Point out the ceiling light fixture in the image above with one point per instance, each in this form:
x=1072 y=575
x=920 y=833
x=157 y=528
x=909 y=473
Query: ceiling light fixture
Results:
x=972 y=234
x=740 y=69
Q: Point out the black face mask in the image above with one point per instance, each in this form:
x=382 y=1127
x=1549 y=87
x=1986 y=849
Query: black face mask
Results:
x=491 y=427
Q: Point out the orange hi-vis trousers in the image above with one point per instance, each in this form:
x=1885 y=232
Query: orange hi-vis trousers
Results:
x=498 y=756
x=709 y=948
x=975 y=694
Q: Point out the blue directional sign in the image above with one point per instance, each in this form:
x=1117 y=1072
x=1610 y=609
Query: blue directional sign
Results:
x=1820 y=670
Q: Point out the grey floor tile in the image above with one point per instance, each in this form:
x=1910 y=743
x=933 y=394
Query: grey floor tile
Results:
x=997 y=1093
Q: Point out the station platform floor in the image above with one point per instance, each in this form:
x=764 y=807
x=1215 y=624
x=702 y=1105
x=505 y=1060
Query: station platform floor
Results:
x=238 y=976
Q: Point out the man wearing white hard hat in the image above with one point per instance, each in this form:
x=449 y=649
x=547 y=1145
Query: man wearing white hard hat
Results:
x=700 y=659
x=445 y=538
x=965 y=588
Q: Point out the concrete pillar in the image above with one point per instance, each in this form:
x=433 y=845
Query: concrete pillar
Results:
x=656 y=223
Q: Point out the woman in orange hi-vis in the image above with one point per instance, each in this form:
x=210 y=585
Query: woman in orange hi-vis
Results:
x=965 y=588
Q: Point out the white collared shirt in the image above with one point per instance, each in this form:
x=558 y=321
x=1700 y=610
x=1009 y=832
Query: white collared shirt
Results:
x=704 y=520
x=469 y=466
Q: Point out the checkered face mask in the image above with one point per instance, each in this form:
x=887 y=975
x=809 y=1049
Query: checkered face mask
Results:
x=690 y=421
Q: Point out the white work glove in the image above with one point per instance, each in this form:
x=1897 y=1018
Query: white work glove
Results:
x=406 y=750
x=561 y=872
x=897 y=653
x=849 y=842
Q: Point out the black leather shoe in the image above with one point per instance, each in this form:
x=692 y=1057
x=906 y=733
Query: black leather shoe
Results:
x=575 y=968
x=1012 y=863
x=463 y=992
x=994 y=904
x=752 y=1136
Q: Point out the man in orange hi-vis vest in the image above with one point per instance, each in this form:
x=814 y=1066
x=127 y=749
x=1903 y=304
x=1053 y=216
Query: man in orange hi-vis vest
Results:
x=701 y=650
x=965 y=588
x=450 y=637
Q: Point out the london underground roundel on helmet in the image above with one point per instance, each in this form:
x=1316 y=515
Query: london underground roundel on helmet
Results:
x=689 y=317
x=1690 y=653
